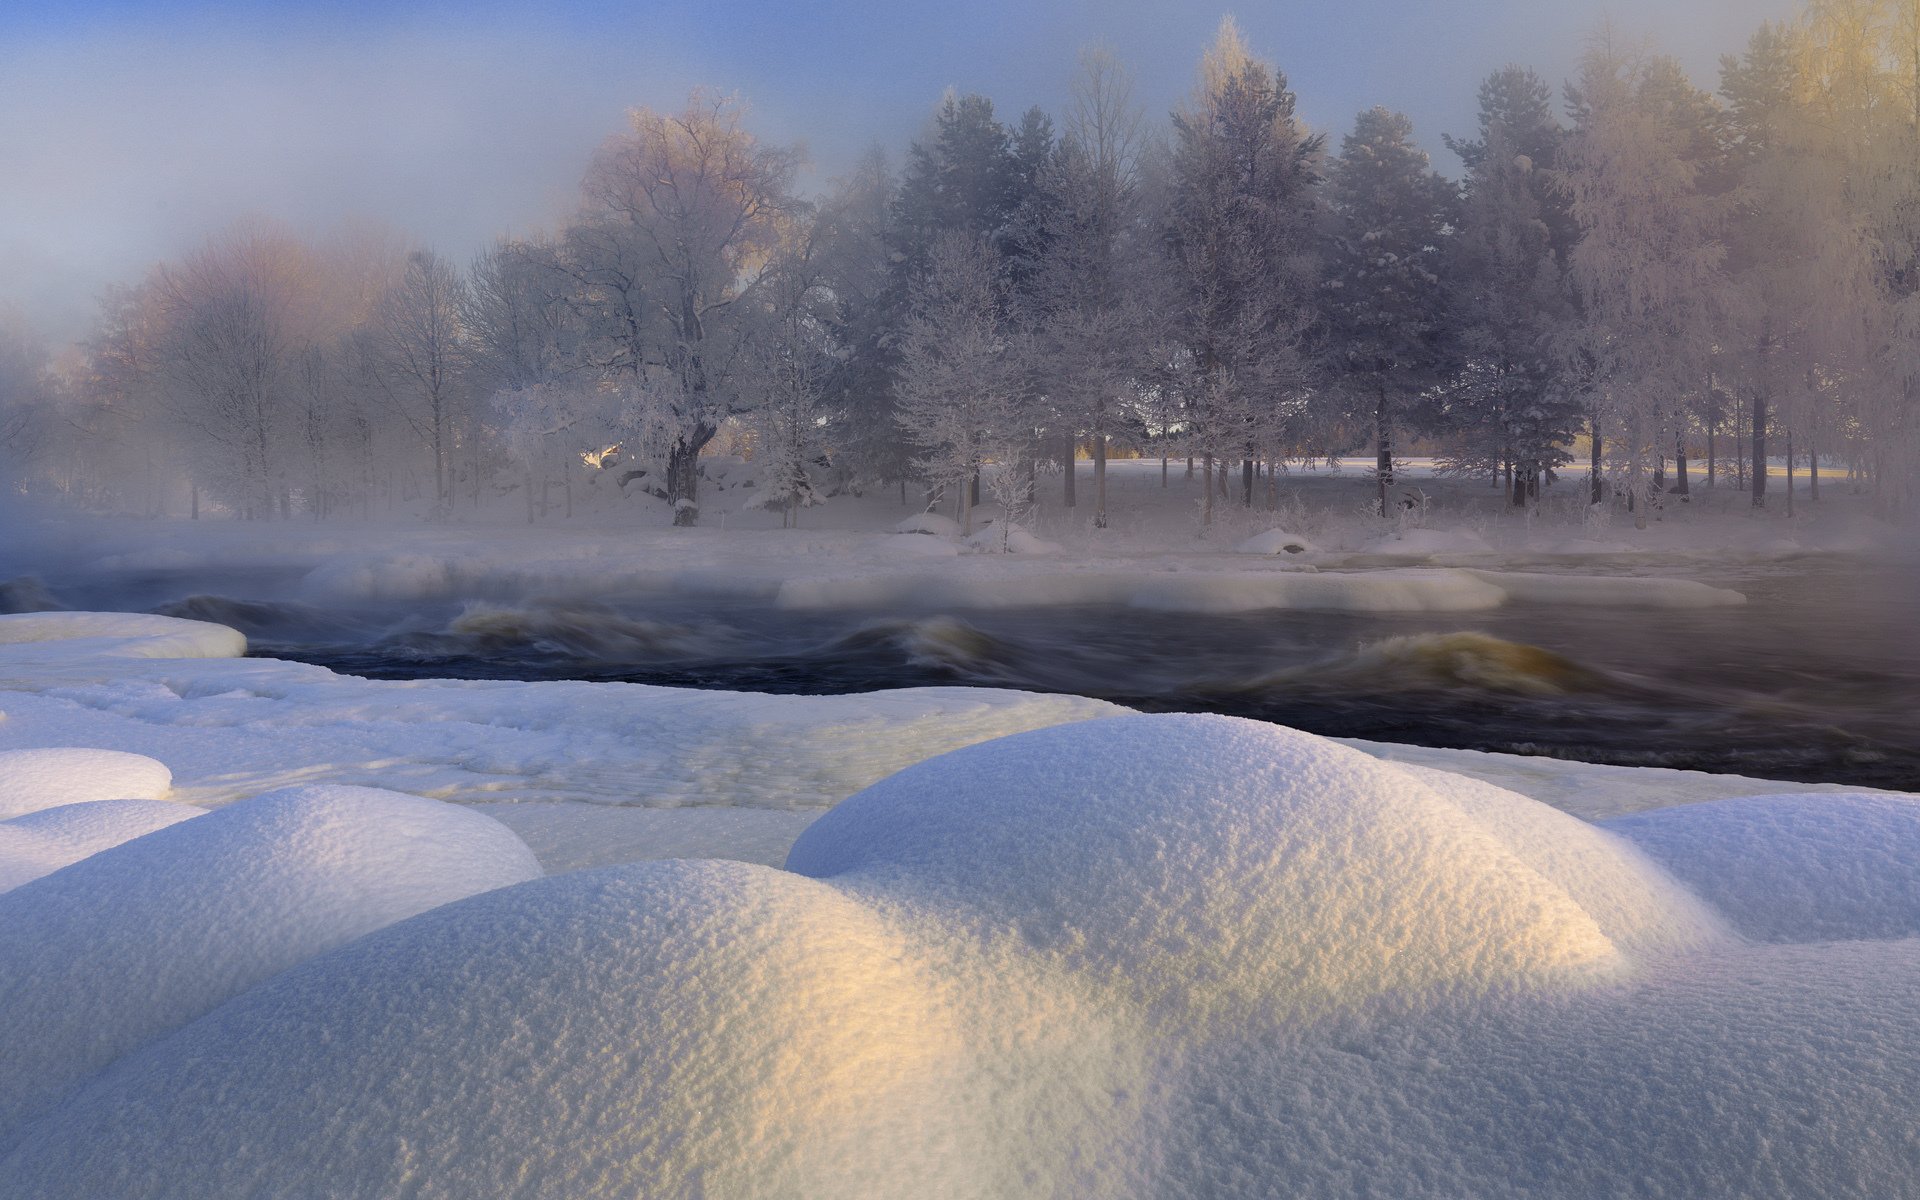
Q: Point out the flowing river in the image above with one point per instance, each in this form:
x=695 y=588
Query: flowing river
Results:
x=1817 y=678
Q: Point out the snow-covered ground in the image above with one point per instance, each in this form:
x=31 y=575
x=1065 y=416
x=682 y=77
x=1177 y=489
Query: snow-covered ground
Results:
x=1021 y=945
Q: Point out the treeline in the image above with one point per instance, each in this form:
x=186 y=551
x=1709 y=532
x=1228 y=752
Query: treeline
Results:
x=1666 y=277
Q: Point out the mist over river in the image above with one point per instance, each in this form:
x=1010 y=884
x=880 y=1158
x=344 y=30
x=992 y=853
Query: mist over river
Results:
x=1816 y=678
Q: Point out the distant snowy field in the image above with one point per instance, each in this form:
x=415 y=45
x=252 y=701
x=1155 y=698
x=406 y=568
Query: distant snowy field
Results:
x=271 y=931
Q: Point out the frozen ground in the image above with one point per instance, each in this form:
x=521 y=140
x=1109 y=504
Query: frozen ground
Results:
x=1112 y=955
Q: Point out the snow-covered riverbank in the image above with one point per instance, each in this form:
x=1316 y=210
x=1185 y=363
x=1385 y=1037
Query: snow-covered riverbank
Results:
x=1111 y=954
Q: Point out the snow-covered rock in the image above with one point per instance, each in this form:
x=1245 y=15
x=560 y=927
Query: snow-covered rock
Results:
x=1215 y=866
x=1809 y=868
x=937 y=524
x=991 y=539
x=31 y=780
x=42 y=842
x=1134 y=957
x=134 y=941
x=1276 y=541
x=118 y=635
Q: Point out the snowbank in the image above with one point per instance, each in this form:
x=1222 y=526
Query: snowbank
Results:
x=118 y=635
x=31 y=780
x=1215 y=863
x=671 y=1029
x=139 y=939
x=42 y=842
x=934 y=523
x=1133 y=957
x=1426 y=543
x=1807 y=868
x=1610 y=590
x=1276 y=541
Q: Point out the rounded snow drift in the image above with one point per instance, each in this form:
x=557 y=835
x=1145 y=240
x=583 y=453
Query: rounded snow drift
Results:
x=1204 y=864
x=658 y=1029
x=124 y=635
x=42 y=842
x=129 y=943
x=31 y=780
x=1798 y=868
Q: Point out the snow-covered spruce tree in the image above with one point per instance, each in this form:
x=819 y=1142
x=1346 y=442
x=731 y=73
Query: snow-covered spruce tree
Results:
x=1238 y=227
x=1385 y=302
x=1087 y=286
x=680 y=210
x=1647 y=270
x=959 y=383
x=853 y=231
x=1505 y=406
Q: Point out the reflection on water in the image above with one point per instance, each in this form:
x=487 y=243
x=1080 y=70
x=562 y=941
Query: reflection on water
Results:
x=1818 y=678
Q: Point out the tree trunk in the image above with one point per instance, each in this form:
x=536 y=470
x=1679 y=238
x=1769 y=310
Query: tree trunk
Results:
x=683 y=476
x=1759 y=424
x=1163 y=470
x=1595 y=483
x=1067 y=475
x=1813 y=473
x=1682 y=486
x=1100 y=481
x=1789 y=471
x=1383 y=434
x=1206 y=487
x=1246 y=481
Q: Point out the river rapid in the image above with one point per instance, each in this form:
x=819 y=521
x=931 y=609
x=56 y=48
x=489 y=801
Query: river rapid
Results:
x=1817 y=678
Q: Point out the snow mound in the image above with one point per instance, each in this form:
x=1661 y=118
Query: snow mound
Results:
x=1638 y=907
x=1333 y=591
x=121 y=947
x=891 y=546
x=1610 y=590
x=1798 y=868
x=929 y=522
x=1276 y=541
x=661 y=1029
x=1424 y=543
x=120 y=635
x=42 y=842
x=1018 y=540
x=1209 y=865
x=31 y=780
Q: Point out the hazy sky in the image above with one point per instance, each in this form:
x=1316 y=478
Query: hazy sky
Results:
x=130 y=130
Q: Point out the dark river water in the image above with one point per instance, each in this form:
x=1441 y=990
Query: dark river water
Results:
x=1817 y=678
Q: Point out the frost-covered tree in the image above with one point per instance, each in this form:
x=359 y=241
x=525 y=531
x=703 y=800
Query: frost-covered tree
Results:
x=686 y=206
x=423 y=358
x=959 y=384
x=1088 y=281
x=1648 y=269
x=1385 y=301
x=1506 y=406
x=1239 y=258
x=789 y=365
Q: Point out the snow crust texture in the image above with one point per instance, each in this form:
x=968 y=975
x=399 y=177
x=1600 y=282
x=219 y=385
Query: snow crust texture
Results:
x=31 y=780
x=1030 y=967
x=122 y=946
x=1813 y=868
x=42 y=842
x=1130 y=957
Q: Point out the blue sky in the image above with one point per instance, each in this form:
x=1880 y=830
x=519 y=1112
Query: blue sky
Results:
x=130 y=130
